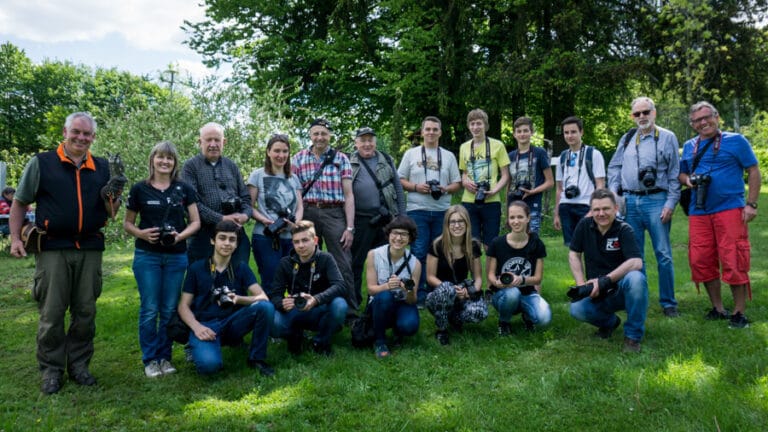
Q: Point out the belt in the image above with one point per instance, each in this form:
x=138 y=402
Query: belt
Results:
x=324 y=205
x=645 y=192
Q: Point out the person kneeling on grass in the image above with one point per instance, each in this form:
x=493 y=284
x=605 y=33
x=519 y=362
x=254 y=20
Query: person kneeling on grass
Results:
x=315 y=293
x=614 y=280
x=392 y=274
x=221 y=302
x=455 y=273
x=515 y=269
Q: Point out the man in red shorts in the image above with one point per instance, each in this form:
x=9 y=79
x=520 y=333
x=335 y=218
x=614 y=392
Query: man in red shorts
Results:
x=713 y=165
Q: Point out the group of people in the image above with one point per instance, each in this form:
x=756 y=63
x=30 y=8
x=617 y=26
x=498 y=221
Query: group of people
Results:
x=393 y=223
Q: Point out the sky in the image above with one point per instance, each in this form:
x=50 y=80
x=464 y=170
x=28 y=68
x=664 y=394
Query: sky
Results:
x=143 y=37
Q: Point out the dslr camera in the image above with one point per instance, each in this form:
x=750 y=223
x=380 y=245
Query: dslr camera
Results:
x=604 y=286
x=299 y=302
x=231 y=205
x=647 y=176
x=517 y=193
x=273 y=229
x=167 y=238
x=701 y=182
x=506 y=278
x=572 y=191
x=434 y=189
x=469 y=285
x=221 y=297
x=399 y=294
x=482 y=189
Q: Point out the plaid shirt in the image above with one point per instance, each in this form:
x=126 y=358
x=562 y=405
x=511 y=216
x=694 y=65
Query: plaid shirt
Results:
x=327 y=189
x=215 y=184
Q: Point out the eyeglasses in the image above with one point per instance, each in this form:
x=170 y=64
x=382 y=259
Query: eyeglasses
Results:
x=702 y=118
x=401 y=234
x=459 y=222
x=644 y=112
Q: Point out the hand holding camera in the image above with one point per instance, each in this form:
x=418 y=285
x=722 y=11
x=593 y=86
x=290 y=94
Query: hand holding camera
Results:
x=300 y=301
x=402 y=288
x=285 y=217
x=466 y=290
x=701 y=182
x=482 y=191
x=434 y=189
x=508 y=279
x=604 y=288
x=522 y=187
x=223 y=296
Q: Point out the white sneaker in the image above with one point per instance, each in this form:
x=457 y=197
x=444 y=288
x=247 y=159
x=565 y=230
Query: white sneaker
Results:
x=152 y=370
x=166 y=367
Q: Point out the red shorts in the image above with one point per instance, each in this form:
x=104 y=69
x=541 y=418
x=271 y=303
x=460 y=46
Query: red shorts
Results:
x=719 y=240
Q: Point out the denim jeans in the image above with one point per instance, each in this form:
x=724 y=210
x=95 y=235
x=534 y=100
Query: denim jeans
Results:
x=158 y=278
x=535 y=225
x=570 y=215
x=267 y=259
x=400 y=316
x=631 y=296
x=255 y=318
x=199 y=246
x=643 y=213
x=325 y=319
x=509 y=302
x=429 y=225
x=485 y=219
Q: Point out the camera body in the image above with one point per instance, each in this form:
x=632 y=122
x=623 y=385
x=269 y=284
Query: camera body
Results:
x=231 y=205
x=482 y=190
x=572 y=191
x=647 y=176
x=299 y=302
x=604 y=286
x=434 y=189
x=517 y=193
x=408 y=286
x=221 y=297
x=701 y=182
x=469 y=285
x=166 y=234
x=273 y=229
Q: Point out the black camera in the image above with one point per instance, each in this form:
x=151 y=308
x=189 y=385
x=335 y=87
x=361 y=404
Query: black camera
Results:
x=408 y=286
x=434 y=189
x=469 y=285
x=380 y=219
x=572 y=192
x=482 y=189
x=701 y=182
x=604 y=286
x=299 y=302
x=506 y=278
x=221 y=297
x=273 y=229
x=647 y=176
x=167 y=236
x=517 y=193
x=231 y=205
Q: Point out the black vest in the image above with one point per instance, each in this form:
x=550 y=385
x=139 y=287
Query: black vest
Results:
x=69 y=205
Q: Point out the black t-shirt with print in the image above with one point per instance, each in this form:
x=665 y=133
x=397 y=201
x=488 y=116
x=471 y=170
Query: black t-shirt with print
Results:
x=521 y=262
x=604 y=253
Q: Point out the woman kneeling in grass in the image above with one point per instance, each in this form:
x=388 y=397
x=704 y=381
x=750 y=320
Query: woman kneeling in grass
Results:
x=515 y=268
x=457 y=295
x=392 y=274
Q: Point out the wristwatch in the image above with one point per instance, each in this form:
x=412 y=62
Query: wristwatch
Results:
x=351 y=229
x=752 y=204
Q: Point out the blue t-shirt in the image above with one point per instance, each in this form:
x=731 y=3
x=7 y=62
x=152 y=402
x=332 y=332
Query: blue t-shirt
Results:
x=523 y=168
x=200 y=281
x=726 y=167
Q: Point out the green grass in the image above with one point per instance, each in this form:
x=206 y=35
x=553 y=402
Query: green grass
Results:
x=693 y=375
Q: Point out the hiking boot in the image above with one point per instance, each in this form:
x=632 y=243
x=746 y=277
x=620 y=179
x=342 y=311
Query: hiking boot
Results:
x=671 y=312
x=606 y=332
x=442 y=337
x=264 y=368
x=529 y=325
x=631 y=345
x=51 y=384
x=738 y=320
x=166 y=367
x=152 y=369
x=83 y=378
x=715 y=315
x=382 y=351
x=505 y=329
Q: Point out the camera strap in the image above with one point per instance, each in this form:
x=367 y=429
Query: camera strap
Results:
x=379 y=185
x=424 y=162
x=404 y=265
x=531 y=150
x=327 y=159
x=296 y=272
x=487 y=158
x=697 y=156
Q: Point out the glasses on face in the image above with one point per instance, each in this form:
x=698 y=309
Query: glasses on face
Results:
x=644 y=112
x=400 y=234
x=702 y=118
x=458 y=222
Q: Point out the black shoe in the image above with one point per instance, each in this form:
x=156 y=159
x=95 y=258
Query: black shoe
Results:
x=738 y=320
x=505 y=329
x=51 y=384
x=294 y=343
x=442 y=337
x=322 y=349
x=631 y=345
x=671 y=312
x=83 y=378
x=264 y=368
x=715 y=315
x=606 y=332
x=529 y=325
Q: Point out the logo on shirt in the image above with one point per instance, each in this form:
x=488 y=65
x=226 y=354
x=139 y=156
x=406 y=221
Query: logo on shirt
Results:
x=612 y=244
x=517 y=265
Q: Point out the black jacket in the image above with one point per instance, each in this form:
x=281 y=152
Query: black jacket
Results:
x=292 y=277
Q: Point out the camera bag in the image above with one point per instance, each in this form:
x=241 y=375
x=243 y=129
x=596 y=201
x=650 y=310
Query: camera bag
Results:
x=32 y=237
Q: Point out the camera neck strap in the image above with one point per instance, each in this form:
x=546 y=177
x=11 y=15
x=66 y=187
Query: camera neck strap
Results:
x=572 y=155
x=295 y=272
x=379 y=185
x=404 y=265
x=472 y=158
x=530 y=153
x=655 y=148
x=424 y=162
x=697 y=156
x=327 y=159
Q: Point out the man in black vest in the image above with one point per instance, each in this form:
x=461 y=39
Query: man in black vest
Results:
x=74 y=196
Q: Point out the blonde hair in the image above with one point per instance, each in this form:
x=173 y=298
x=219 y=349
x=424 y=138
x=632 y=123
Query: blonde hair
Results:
x=466 y=244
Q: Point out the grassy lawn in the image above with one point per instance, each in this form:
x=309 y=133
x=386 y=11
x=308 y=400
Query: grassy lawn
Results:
x=693 y=375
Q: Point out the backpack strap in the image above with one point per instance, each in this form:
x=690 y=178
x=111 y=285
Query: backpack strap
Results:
x=588 y=163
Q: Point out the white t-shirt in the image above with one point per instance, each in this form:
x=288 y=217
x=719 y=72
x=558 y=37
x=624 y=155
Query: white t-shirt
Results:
x=571 y=175
x=412 y=169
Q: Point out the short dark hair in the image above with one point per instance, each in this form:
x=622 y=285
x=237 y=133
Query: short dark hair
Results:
x=573 y=120
x=403 y=222
x=431 y=119
x=226 y=226
x=602 y=193
x=523 y=121
x=9 y=190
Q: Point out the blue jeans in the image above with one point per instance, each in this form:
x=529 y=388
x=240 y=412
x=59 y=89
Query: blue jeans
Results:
x=631 y=296
x=325 y=319
x=570 y=215
x=267 y=258
x=398 y=315
x=509 y=302
x=255 y=318
x=199 y=246
x=643 y=213
x=485 y=219
x=429 y=225
x=158 y=278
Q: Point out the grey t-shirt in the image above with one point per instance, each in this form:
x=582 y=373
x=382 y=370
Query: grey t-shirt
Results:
x=412 y=169
x=276 y=192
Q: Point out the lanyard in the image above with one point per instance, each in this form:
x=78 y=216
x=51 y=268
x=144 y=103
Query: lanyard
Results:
x=424 y=161
x=311 y=276
x=581 y=162
x=487 y=158
x=698 y=158
x=655 y=147
x=530 y=163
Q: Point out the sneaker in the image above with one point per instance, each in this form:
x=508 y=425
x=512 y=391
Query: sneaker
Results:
x=671 y=312
x=631 y=345
x=442 y=337
x=529 y=325
x=83 y=378
x=264 y=368
x=322 y=349
x=51 y=384
x=505 y=329
x=152 y=369
x=166 y=367
x=714 y=315
x=606 y=332
x=738 y=320
x=382 y=350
